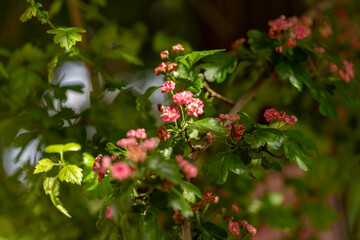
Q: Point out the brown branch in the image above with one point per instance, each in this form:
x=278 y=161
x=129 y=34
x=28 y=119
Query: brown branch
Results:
x=217 y=95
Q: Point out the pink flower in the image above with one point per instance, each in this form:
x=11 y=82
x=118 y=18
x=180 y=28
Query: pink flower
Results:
x=161 y=69
x=136 y=154
x=349 y=68
x=281 y=116
x=167 y=86
x=131 y=133
x=184 y=97
x=242 y=223
x=150 y=144
x=195 y=107
x=238 y=132
x=250 y=229
x=319 y=49
x=170 y=67
x=163 y=133
x=332 y=67
x=290 y=120
x=223 y=116
x=234 y=207
x=343 y=76
x=233 y=228
x=97 y=163
x=141 y=133
x=170 y=114
x=177 y=48
x=234 y=118
x=181 y=161
x=190 y=170
x=105 y=164
x=279 y=24
x=121 y=171
x=210 y=137
x=279 y=49
x=109 y=214
x=290 y=43
x=299 y=32
x=326 y=31
x=270 y=114
x=127 y=142
x=164 y=54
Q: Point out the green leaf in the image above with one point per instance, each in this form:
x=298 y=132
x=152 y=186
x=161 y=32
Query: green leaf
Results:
x=71 y=174
x=259 y=41
x=217 y=66
x=44 y=165
x=67 y=37
x=190 y=59
x=143 y=100
x=297 y=155
x=270 y=165
x=214 y=230
x=216 y=170
x=168 y=169
x=95 y=189
x=52 y=188
x=285 y=72
x=302 y=140
x=273 y=137
x=246 y=120
x=196 y=86
x=178 y=202
x=209 y=124
x=56 y=148
x=30 y=12
x=280 y=217
x=150 y=228
x=190 y=191
x=72 y=147
x=88 y=159
x=3 y=71
x=321 y=215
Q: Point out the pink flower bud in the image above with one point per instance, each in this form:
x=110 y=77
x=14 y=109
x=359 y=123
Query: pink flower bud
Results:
x=161 y=69
x=136 y=154
x=319 y=49
x=190 y=170
x=164 y=54
x=234 y=207
x=300 y=32
x=233 y=228
x=332 y=67
x=170 y=67
x=109 y=214
x=131 y=133
x=290 y=43
x=177 y=48
x=140 y=133
x=270 y=114
x=279 y=49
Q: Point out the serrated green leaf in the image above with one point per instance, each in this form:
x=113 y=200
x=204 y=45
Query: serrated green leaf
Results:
x=273 y=137
x=214 y=230
x=297 y=155
x=56 y=148
x=209 y=124
x=52 y=188
x=71 y=147
x=67 y=37
x=30 y=12
x=191 y=58
x=168 y=169
x=259 y=41
x=218 y=66
x=190 y=191
x=44 y=165
x=285 y=72
x=177 y=202
x=71 y=174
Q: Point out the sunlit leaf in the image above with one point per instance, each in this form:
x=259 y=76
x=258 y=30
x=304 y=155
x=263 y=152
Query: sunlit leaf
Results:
x=44 y=165
x=67 y=37
x=71 y=174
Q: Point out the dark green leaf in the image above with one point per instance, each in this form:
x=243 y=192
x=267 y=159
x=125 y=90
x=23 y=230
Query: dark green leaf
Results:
x=168 y=169
x=44 y=165
x=285 y=72
x=280 y=217
x=297 y=155
x=244 y=155
x=150 y=228
x=273 y=137
x=71 y=174
x=209 y=124
x=67 y=37
x=270 y=165
x=217 y=66
x=259 y=41
x=123 y=53
x=214 y=230
x=190 y=59
x=3 y=71
x=111 y=148
x=143 y=100
x=302 y=140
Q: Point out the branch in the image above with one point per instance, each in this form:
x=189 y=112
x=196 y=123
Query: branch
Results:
x=215 y=94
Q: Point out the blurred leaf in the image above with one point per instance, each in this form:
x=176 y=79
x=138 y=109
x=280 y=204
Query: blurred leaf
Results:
x=123 y=53
x=67 y=37
x=273 y=137
x=177 y=202
x=297 y=155
x=51 y=188
x=302 y=140
x=190 y=191
x=216 y=170
x=209 y=124
x=270 y=165
x=321 y=216
x=244 y=155
x=3 y=71
x=214 y=230
x=285 y=72
x=196 y=86
x=71 y=147
x=143 y=100
x=167 y=169
x=95 y=189
x=191 y=58
x=88 y=159
x=55 y=7
x=71 y=174
x=56 y=148
x=44 y=165
x=150 y=228
x=30 y=12
x=217 y=66
x=259 y=41
x=280 y=217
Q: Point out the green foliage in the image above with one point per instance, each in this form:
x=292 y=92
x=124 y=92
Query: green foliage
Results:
x=167 y=169
x=211 y=231
x=190 y=191
x=178 y=202
x=52 y=188
x=285 y=71
x=261 y=136
x=190 y=59
x=209 y=124
x=44 y=165
x=218 y=66
x=30 y=12
x=71 y=174
x=67 y=37
x=297 y=155
x=259 y=41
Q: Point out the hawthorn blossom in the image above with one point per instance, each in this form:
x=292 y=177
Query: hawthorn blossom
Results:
x=170 y=114
x=223 y=117
x=210 y=137
x=177 y=48
x=290 y=42
x=209 y=197
x=234 y=118
x=170 y=67
x=290 y=120
x=160 y=69
x=121 y=171
x=109 y=214
x=279 y=24
x=349 y=68
x=332 y=67
x=127 y=142
x=136 y=154
x=164 y=54
x=281 y=116
x=141 y=133
x=250 y=229
x=195 y=107
x=131 y=133
x=190 y=170
x=300 y=32
x=279 y=49
x=167 y=86
x=234 y=207
x=150 y=144
x=270 y=114
x=238 y=132
x=184 y=97
x=163 y=133
x=319 y=49
x=233 y=228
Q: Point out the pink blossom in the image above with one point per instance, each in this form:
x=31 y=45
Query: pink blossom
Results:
x=141 y=133
x=127 y=142
x=167 y=86
x=181 y=161
x=195 y=107
x=234 y=207
x=290 y=120
x=349 y=68
x=250 y=229
x=242 y=223
x=161 y=69
x=233 y=228
x=177 y=48
x=97 y=163
x=150 y=144
x=332 y=67
x=105 y=164
x=270 y=114
x=279 y=49
x=290 y=43
x=234 y=118
x=209 y=197
x=136 y=154
x=121 y=171
x=319 y=49
x=344 y=76
x=109 y=214
x=170 y=67
x=131 y=133
x=164 y=54
x=238 y=132
x=326 y=30
x=210 y=137
x=299 y=32
x=223 y=116
x=281 y=116
x=170 y=114
x=279 y=24
x=163 y=133
x=190 y=170
x=184 y=97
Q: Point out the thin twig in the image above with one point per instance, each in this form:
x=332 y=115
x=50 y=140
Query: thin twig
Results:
x=217 y=95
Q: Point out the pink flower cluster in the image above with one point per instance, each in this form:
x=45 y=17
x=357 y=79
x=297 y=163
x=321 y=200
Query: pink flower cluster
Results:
x=346 y=73
x=168 y=67
x=236 y=130
x=207 y=198
x=170 y=114
x=228 y=117
x=234 y=229
x=272 y=114
x=168 y=86
x=163 y=133
x=119 y=170
x=248 y=227
x=122 y=171
x=101 y=165
x=189 y=169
